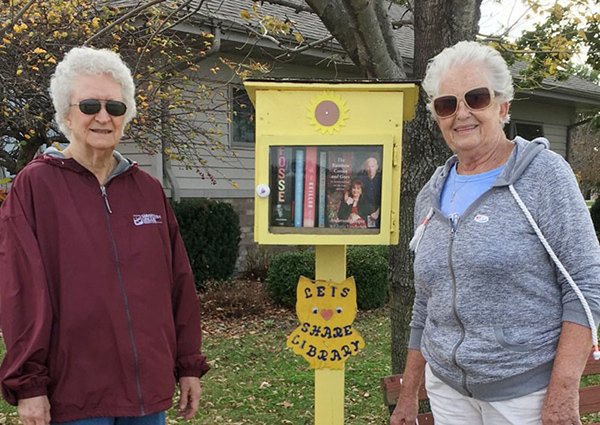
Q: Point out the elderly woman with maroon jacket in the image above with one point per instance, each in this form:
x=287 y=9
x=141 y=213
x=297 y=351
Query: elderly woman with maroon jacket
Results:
x=99 y=311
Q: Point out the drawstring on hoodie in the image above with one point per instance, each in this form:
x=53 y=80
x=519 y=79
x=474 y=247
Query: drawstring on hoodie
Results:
x=562 y=269
x=416 y=240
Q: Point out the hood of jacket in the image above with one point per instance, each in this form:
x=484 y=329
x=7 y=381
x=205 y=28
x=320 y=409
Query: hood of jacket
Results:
x=55 y=157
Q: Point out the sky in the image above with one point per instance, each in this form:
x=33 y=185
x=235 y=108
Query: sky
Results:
x=496 y=16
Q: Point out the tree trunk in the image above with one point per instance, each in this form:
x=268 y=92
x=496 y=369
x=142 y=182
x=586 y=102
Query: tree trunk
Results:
x=437 y=24
x=363 y=29
x=28 y=151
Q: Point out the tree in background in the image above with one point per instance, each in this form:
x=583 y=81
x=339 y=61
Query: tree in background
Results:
x=364 y=29
x=176 y=109
x=585 y=159
x=584 y=150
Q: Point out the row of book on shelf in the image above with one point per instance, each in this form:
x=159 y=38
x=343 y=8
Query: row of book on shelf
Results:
x=325 y=187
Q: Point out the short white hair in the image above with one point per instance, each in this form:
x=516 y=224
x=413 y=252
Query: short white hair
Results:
x=89 y=61
x=463 y=53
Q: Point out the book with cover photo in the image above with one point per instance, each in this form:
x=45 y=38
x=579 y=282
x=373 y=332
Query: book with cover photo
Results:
x=339 y=174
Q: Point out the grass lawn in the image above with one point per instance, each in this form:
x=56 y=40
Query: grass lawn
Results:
x=256 y=380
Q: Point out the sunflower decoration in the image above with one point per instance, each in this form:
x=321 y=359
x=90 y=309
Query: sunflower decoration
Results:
x=327 y=112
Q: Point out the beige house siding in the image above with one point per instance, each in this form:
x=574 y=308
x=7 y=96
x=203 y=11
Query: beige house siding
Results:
x=554 y=118
x=234 y=175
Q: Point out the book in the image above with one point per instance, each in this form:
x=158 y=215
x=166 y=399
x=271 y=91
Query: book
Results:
x=322 y=187
x=339 y=176
x=310 y=186
x=299 y=186
x=282 y=180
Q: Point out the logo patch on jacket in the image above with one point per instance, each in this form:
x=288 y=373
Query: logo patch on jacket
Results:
x=142 y=219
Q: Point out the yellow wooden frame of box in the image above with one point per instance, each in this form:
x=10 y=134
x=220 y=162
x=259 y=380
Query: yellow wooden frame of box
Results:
x=372 y=113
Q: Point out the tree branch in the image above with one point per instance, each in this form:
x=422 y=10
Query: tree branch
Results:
x=387 y=33
x=373 y=48
x=297 y=7
x=16 y=19
x=122 y=19
x=157 y=31
x=331 y=13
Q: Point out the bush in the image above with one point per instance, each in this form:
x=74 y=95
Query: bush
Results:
x=368 y=265
x=233 y=299
x=595 y=212
x=284 y=272
x=256 y=264
x=211 y=234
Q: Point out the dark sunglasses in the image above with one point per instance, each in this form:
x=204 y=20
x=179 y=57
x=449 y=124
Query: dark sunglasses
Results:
x=476 y=99
x=93 y=106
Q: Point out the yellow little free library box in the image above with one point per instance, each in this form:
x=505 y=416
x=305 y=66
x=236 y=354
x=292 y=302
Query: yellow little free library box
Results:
x=328 y=157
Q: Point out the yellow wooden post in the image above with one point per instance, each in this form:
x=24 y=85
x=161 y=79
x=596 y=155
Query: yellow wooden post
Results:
x=330 y=264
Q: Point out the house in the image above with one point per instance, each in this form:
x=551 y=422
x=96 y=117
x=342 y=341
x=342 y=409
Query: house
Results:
x=549 y=111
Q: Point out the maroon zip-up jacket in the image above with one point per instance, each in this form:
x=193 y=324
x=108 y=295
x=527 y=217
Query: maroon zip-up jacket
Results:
x=98 y=306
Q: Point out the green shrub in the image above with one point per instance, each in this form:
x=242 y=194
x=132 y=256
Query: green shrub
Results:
x=211 y=234
x=595 y=212
x=368 y=265
x=284 y=272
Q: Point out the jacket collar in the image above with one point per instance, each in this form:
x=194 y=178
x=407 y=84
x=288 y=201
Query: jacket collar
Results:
x=56 y=157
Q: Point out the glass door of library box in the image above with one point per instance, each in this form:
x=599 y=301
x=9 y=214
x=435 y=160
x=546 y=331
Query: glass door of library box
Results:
x=340 y=192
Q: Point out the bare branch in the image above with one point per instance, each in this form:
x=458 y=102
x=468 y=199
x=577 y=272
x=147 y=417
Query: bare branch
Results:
x=401 y=23
x=297 y=7
x=16 y=19
x=373 y=48
x=122 y=19
x=504 y=47
x=156 y=32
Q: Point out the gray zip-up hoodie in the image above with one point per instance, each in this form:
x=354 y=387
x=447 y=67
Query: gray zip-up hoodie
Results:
x=489 y=300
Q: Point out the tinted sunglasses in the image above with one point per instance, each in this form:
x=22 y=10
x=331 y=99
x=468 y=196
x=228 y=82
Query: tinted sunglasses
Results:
x=475 y=99
x=93 y=106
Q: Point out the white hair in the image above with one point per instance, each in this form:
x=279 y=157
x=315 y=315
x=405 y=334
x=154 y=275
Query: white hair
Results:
x=88 y=61
x=472 y=53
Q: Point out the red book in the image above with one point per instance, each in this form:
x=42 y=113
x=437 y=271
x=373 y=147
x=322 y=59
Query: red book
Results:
x=310 y=186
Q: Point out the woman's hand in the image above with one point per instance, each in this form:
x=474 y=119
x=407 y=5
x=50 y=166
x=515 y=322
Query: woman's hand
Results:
x=189 y=399
x=34 y=410
x=561 y=407
x=407 y=406
x=406 y=410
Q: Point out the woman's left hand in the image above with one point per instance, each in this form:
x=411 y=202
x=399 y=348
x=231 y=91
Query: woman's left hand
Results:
x=189 y=399
x=561 y=407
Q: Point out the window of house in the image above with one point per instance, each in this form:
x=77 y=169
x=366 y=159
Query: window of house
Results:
x=242 y=117
x=528 y=131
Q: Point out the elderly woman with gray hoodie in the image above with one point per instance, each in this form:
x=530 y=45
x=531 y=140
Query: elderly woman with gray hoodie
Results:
x=507 y=263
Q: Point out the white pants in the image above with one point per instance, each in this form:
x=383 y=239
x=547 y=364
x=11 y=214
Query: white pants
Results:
x=449 y=407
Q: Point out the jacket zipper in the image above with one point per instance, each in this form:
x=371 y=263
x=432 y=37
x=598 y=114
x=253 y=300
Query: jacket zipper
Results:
x=107 y=212
x=454 y=310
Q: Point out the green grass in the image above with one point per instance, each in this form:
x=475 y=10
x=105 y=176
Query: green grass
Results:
x=256 y=380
